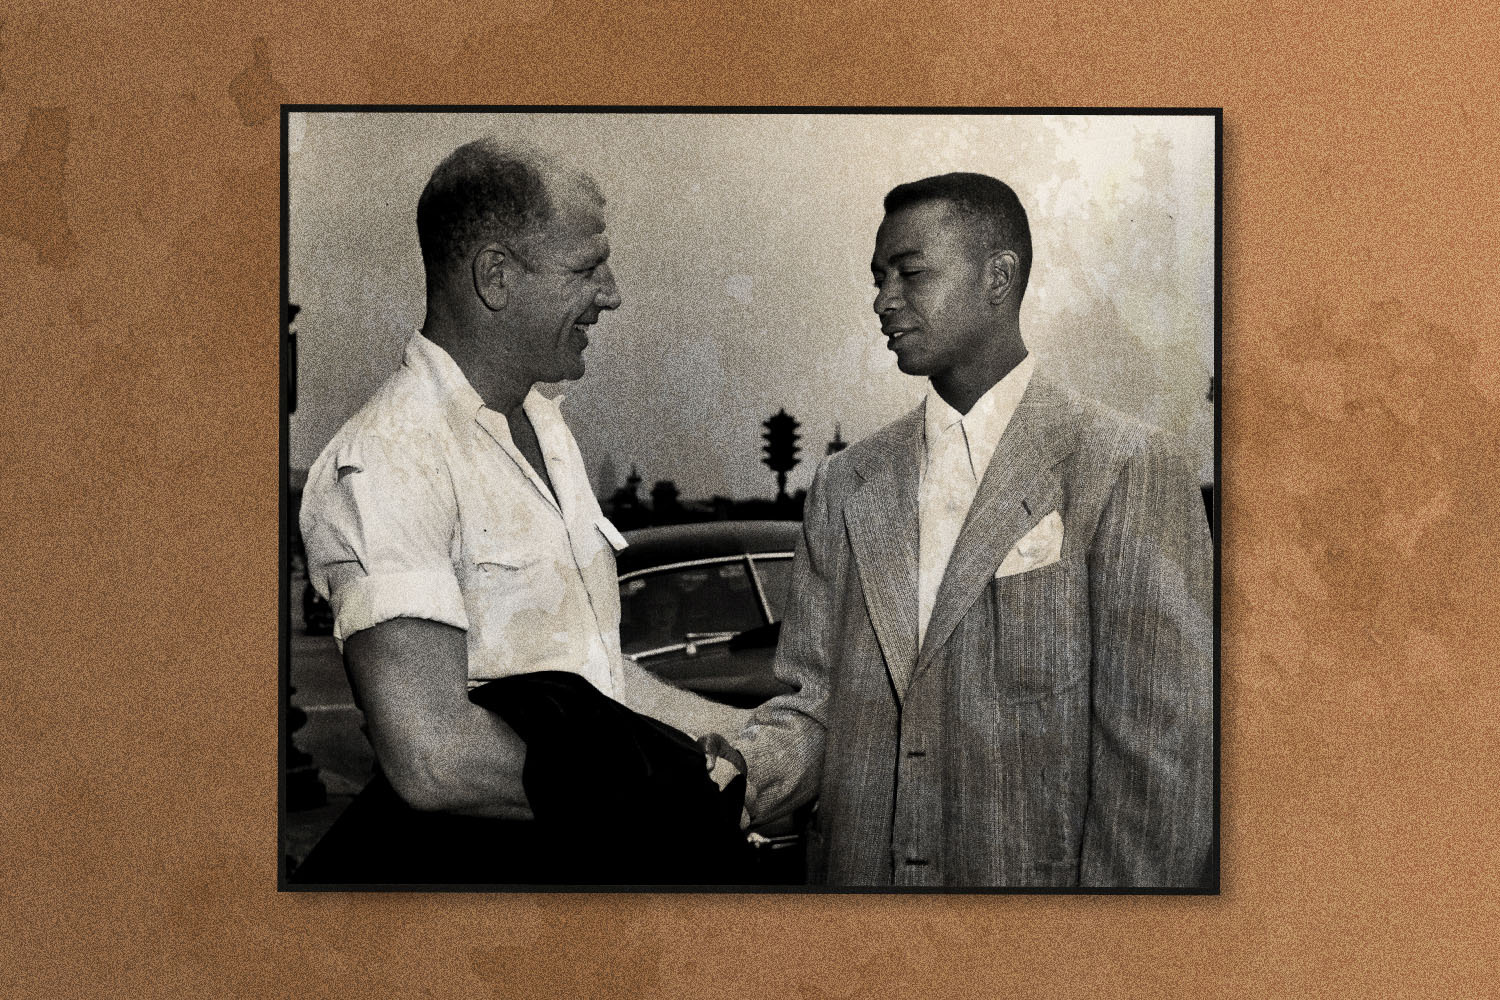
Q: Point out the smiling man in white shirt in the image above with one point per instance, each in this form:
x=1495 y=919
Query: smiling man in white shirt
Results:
x=450 y=522
x=999 y=631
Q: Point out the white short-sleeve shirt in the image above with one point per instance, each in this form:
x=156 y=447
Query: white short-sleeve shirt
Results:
x=422 y=507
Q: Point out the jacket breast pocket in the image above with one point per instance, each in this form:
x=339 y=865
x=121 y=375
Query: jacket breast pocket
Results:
x=1041 y=630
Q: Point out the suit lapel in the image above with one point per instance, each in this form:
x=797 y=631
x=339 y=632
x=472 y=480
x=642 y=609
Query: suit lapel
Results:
x=883 y=533
x=1019 y=488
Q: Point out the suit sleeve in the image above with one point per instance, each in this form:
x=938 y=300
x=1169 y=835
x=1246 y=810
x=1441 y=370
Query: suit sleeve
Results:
x=783 y=742
x=1150 y=813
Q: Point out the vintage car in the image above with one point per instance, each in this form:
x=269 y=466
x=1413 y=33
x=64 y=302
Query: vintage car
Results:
x=701 y=607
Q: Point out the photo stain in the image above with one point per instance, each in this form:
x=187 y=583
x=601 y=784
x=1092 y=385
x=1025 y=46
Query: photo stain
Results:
x=255 y=92
x=33 y=208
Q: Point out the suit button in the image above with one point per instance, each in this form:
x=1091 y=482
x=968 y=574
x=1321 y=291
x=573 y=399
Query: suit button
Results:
x=916 y=861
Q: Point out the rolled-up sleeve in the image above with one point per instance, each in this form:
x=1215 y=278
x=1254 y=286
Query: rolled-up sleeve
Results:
x=378 y=522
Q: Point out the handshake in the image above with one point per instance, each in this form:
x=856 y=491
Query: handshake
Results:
x=725 y=764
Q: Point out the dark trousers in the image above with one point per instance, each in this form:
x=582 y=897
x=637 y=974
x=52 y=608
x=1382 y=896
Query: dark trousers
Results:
x=620 y=799
x=380 y=840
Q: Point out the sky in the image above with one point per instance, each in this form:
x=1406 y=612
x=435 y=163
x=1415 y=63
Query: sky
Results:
x=741 y=245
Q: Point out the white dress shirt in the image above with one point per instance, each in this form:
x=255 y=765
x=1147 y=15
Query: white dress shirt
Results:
x=956 y=451
x=422 y=507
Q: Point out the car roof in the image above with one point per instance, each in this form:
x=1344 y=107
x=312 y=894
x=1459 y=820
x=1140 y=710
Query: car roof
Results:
x=680 y=542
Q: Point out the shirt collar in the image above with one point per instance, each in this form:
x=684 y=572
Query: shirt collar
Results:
x=987 y=418
x=437 y=368
x=460 y=400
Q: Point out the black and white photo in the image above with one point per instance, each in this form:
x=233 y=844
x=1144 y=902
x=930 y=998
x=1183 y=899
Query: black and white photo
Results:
x=748 y=499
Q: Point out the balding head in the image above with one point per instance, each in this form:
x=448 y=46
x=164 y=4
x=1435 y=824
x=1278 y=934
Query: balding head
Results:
x=490 y=191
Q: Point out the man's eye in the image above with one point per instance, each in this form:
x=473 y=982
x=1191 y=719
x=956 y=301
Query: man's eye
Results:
x=912 y=274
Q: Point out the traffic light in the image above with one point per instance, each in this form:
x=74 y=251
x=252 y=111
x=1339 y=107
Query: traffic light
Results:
x=781 y=447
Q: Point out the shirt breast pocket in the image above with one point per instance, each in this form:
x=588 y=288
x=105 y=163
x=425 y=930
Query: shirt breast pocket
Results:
x=499 y=561
x=1041 y=630
x=498 y=567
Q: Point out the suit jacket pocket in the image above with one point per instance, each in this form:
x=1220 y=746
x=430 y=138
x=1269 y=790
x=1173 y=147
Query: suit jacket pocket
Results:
x=1041 y=630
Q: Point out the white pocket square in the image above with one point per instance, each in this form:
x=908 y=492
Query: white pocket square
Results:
x=1041 y=546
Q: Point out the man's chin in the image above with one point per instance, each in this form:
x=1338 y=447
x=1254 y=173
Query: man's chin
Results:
x=570 y=373
x=911 y=364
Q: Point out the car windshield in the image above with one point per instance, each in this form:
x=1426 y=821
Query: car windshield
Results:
x=775 y=573
x=671 y=606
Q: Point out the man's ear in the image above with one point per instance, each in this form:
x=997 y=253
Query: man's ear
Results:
x=1000 y=274
x=493 y=270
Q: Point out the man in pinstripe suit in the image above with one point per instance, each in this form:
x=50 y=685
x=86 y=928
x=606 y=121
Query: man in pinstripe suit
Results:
x=1000 y=628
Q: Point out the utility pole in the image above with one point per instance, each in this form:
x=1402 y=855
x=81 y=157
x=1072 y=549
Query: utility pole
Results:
x=292 y=309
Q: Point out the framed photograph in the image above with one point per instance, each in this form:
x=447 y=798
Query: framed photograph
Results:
x=750 y=499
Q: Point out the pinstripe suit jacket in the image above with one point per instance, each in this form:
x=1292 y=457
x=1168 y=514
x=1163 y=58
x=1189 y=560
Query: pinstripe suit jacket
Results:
x=1056 y=726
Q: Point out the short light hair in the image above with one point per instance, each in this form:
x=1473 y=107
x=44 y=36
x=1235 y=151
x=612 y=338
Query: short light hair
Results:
x=487 y=190
x=989 y=206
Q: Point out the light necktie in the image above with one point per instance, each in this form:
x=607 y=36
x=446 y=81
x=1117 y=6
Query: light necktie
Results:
x=948 y=489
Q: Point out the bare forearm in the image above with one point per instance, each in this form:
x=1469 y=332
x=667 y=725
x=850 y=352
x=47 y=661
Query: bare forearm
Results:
x=467 y=762
x=438 y=750
x=481 y=774
x=691 y=713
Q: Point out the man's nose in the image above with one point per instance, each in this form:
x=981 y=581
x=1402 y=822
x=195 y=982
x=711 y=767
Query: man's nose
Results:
x=885 y=300
x=608 y=295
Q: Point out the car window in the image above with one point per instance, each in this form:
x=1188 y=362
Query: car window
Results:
x=775 y=573
x=660 y=609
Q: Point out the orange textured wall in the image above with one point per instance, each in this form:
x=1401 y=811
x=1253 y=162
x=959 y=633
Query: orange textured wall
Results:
x=139 y=248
